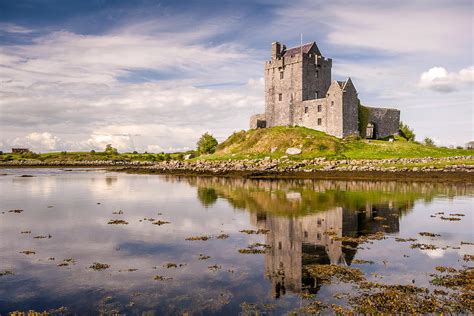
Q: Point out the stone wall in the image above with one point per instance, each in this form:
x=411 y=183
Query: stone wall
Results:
x=333 y=111
x=258 y=121
x=386 y=121
x=279 y=112
x=350 y=117
x=316 y=77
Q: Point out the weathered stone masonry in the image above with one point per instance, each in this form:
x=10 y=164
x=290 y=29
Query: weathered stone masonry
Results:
x=299 y=92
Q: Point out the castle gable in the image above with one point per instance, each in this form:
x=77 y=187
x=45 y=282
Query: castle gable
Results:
x=306 y=48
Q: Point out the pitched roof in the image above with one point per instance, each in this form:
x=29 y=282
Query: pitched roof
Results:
x=297 y=50
x=341 y=84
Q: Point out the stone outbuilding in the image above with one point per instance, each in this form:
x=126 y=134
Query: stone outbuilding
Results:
x=299 y=91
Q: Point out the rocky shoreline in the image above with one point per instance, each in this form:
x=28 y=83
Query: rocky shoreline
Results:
x=459 y=167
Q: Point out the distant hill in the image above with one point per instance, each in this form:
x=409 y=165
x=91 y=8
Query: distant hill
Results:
x=273 y=142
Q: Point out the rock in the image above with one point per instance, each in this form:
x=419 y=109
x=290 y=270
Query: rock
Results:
x=293 y=151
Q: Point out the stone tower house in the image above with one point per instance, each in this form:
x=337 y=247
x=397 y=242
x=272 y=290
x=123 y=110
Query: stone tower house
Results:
x=299 y=92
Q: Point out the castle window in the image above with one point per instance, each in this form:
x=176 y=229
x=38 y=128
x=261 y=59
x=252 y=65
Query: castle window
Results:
x=320 y=121
x=306 y=234
x=280 y=97
x=306 y=109
x=318 y=236
x=320 y=107
x=317 y=74
x=281 y=74
x=316 y=94
x=319 y=222
x=279 y=245
x=332 y=102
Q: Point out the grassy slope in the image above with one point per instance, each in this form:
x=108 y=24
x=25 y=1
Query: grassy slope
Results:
x=259 y=143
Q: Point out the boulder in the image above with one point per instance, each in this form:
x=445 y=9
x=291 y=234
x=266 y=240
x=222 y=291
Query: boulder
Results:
x=293 y=151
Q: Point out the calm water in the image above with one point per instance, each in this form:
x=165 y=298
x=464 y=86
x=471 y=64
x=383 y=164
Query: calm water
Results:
x=297 y=213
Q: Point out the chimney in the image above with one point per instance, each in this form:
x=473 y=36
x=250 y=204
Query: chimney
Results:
x=276 y=50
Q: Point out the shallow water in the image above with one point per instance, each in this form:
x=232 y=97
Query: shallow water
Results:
x=72 y=210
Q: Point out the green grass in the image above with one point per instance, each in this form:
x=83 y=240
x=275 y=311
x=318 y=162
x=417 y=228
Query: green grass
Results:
x=258 y=143
x=89 y=156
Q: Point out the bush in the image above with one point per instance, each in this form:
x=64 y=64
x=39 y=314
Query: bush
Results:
x=110 y=150
x=428 y=141
x=207 y=144
x=406 y=132
x=92 y=151
x=363 y=117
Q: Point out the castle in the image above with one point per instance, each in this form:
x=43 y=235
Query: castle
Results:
x=299 y=92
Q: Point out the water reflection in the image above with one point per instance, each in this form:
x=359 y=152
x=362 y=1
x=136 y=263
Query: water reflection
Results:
x=299 y=214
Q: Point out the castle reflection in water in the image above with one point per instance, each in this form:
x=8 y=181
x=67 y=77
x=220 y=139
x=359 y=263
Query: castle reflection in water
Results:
x=300 y=213
x=300 y=241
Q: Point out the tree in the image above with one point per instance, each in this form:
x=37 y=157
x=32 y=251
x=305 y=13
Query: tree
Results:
x=207 y=144
x=407 y=132
x=110 y=150
x=428 y=141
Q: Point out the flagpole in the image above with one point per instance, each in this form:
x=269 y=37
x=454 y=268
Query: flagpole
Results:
x=301 y=41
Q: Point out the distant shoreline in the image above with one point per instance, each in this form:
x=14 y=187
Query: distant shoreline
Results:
x=459 y=169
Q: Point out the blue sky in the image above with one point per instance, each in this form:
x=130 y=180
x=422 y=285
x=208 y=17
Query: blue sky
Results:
x=154 y=75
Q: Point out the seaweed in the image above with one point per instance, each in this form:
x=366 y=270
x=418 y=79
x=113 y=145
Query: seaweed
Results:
x=256 y=232
x=161 y=278
x=428 y=234
x=203 y=257
x=117 y=222
x=159 y=223
x=28 y=252
x=222 y=236
x=214 y=268
x=424 y=246
x=97 y=266
x=6 y=272
x=204 y=238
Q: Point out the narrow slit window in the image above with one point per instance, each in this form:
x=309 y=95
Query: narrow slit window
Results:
x=332 y=102
x=320 y=121
x=316 y=94
x=320 y=107
x=317 y=74
x=306 y=109
x=281 y=75
x=280 y=97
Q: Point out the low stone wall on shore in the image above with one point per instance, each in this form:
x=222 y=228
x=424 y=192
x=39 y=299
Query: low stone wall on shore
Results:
x=447 y=164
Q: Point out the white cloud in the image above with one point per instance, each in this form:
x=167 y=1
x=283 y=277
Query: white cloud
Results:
x=440 y=80
x=12 y=28
x=399 y=27
x=38 y=141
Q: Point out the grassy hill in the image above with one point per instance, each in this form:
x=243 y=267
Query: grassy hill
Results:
x=273 y=142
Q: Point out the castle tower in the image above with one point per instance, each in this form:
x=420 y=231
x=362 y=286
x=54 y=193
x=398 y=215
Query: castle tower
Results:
x=291 y=76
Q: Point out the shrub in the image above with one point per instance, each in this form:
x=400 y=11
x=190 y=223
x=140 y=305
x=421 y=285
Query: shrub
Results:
x=207 y=144
x=110 y=150
x=428 y=141
x=92 y=151
x=407 y=132
x=363 y=116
